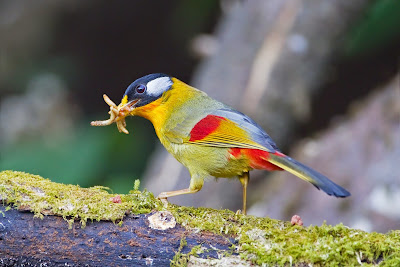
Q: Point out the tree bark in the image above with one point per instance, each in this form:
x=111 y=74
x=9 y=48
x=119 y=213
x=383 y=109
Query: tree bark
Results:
x=28 y=241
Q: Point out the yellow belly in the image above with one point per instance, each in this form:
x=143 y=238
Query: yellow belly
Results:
x=208 y=161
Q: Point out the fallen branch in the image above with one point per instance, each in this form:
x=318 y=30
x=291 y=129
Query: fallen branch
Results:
x=89 y=226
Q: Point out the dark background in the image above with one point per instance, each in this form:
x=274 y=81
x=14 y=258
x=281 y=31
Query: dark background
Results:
x=66 y=55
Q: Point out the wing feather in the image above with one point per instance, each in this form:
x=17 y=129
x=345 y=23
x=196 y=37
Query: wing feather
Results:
x=230 y=128
x=221 y=127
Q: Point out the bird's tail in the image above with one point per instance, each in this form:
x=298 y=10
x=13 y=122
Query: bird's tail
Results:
x=306 y=173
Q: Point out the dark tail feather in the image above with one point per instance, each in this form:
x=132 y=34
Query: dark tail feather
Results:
x=306 y=173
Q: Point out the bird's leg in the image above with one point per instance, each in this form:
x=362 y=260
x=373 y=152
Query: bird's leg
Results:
x=196 y=183
x=244 y=180
x=164 y=195
x=177 y=193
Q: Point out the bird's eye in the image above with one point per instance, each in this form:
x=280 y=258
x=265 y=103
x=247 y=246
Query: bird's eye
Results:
x=140 y=88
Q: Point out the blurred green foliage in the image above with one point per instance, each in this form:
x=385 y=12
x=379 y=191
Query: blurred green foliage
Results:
x=377 y=29
x=91 y=48
x=88 y=156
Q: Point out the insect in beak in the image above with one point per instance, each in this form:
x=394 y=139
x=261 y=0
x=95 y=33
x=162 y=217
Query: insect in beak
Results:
x=117 y=114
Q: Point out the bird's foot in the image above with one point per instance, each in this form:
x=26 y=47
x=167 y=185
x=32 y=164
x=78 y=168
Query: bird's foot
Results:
x=163 y=199
x=239 y=212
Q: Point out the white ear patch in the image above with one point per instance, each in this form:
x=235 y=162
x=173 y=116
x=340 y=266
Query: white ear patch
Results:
x=158 y=86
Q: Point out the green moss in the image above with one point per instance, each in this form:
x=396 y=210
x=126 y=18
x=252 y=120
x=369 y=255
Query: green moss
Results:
x=43 y=197
x=181 y=259
x=259 y=240
x=268 y=241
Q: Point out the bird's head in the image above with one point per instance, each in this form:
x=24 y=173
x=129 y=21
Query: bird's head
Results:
x=146 y=90
x=153 y=97
x=156 y=97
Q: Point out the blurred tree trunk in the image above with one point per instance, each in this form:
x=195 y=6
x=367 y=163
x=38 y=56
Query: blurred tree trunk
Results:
x=272 y=57
x=362 y=154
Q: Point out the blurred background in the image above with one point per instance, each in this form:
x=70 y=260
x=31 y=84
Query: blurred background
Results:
x=321 y=77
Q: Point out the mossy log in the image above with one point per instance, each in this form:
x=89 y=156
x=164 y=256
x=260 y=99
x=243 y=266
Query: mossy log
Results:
x=51 y=224
x=50 y=242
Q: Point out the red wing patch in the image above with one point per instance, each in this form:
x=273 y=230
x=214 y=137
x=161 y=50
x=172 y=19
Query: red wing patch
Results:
x=258 y=158
x=235 y=152
x=205 y=127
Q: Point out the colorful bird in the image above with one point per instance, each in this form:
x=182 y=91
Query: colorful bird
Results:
x=207 y=137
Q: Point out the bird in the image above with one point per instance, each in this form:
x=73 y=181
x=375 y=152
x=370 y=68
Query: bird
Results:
x=208 y=137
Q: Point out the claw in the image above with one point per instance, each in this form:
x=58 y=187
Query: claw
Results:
x=164 y=201
x=114 y=116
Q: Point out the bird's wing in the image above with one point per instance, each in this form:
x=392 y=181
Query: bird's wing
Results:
x=229 y=128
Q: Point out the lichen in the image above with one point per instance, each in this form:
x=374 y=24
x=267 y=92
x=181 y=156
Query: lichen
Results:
x=261 y=241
